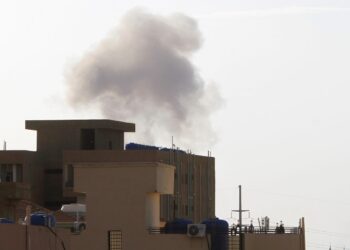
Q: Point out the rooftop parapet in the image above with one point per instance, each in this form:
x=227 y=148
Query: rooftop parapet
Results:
x=81 y=124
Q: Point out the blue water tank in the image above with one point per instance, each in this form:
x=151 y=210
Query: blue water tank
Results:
x=218 y=230
x=136 y=146
x=42 y=219
x=6 y=221
x=177 y=226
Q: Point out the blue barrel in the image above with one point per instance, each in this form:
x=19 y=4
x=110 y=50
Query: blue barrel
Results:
x=177 y=226
x=218 y=230
x=42 y=219
x=6 y=221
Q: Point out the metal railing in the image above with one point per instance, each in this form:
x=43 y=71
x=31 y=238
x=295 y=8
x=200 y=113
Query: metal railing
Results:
x=260 y=230
x=232 y=231
x=232 y=235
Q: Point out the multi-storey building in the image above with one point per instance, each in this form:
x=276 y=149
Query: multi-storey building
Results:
x=129 y=194
x=46 y=176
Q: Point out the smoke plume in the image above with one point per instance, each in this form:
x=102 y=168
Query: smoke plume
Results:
x=142 y=72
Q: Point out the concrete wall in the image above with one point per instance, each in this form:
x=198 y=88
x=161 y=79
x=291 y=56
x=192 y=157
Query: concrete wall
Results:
x=50 y=145
x=109 y=137
x=32 y=170
x=273 y=242
x=18 y=237
x=194 y=193
x=120 y=196
x=52 y=141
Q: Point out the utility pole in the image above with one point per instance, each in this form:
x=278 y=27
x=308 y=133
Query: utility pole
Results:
x=240 y=218
x=240 y=211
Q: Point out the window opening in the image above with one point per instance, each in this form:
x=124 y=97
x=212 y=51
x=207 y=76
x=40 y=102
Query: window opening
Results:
x=87 y=139
x=115 y=240
x=70 y=176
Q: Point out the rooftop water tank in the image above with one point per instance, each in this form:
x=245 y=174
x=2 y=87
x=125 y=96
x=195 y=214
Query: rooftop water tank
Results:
x=218 y=230
x=177 y=226
x=136 y=146
x=42 y=219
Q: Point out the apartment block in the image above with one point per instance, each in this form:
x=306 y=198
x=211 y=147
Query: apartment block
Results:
x=45 y=176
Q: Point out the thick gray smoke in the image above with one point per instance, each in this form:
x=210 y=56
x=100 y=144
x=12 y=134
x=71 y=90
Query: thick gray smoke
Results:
x=142 y=72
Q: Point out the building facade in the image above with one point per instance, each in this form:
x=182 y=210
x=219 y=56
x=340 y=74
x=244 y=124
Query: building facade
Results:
x=128 y=192
x=45 y=176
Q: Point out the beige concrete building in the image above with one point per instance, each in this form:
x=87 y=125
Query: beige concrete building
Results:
x=130 y=193
x=193 y=196
x=130 y=206
x=40 y=176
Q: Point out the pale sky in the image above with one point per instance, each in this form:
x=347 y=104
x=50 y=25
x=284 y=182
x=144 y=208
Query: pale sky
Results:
x=282 y=67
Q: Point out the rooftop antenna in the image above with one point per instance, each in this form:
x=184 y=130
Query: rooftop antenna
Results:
x=4 y=146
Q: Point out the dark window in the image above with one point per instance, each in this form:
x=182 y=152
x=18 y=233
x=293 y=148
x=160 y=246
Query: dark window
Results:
x=115 y=240
x=6 y=174
x=53 y=205
x=87 y=137
x=53 y=171
x=70 y=176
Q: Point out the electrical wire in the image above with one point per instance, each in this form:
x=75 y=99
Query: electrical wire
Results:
x=56 y=235
x=329 y=233
x=325 y=246
x=308 y=198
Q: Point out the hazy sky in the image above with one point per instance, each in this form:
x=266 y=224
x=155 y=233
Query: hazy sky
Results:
x=283 y=70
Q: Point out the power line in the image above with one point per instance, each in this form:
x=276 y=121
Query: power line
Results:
x=309 y=198
x=329 y=233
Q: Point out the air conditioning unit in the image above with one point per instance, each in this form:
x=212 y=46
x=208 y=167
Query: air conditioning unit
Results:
x=196 y=230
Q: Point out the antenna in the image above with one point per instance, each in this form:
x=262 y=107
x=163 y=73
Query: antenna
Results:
x=240 y=210
x=4 y=146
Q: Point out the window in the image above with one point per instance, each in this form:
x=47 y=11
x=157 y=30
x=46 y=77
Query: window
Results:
x=87 y=137
x=6 y=173
x=115 y=240
x=70 y=176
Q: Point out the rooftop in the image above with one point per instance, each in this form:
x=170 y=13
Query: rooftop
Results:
x=88 y=124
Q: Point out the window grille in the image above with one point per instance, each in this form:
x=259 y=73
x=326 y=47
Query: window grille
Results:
x=115 y=240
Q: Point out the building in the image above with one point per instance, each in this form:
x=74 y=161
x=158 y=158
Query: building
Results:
x=122 y=217
x=45 y=176
x=130 y=193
